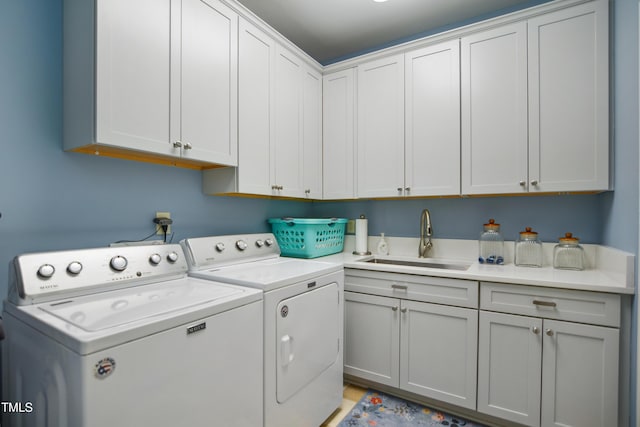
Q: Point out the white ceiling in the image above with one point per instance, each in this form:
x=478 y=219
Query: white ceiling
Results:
x=332 y=29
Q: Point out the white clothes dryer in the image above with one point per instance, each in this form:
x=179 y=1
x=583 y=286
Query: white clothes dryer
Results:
x=303 y=321
x=123 y=337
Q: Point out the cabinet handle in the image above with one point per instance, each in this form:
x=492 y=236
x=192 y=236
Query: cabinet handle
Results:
x=394 y=308
x=549 y=332
x=399 y=189
x=307 y=192
x=187 y=146
x=274 y=187
x=407 y=189
x=399 y=287
x=535 y=330
x=544 y=303
x=534 y=182
x=522 y=183
x=177 y=144
x=404 y=309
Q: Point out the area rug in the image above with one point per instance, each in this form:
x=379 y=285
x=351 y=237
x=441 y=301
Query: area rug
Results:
x=382 y=410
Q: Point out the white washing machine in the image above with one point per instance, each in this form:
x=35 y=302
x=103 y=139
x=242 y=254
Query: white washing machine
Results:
x=123 y=337
x=303 y=321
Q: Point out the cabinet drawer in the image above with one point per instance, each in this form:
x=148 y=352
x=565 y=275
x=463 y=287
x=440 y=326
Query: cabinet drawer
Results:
x=563 y=304
x=439 y=290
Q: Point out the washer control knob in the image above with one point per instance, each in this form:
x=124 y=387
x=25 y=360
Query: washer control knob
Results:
x=241 y=245
x=269 y=242
x=259 y=243
x=46 y=270
x=118 y=263
x=220 y=247
x=74 y=267
x=172 y=257
x=155 y=259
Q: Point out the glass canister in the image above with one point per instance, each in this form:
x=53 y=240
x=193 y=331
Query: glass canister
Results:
x=528 y=250
x=491 y=244
x=568 y=254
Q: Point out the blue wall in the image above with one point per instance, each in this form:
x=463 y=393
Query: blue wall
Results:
x=51 y=200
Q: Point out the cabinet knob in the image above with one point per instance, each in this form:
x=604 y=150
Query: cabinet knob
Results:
x=280 y=187
x=187 y=146
x=399 y=189
x=394 y=308
x=407 y=189
x=535 y=330
x=307 y=192
x=522 y=183
x=404 y=309
x=549 y=332
x=274 y=187
x=177 y=144
x=534 y=182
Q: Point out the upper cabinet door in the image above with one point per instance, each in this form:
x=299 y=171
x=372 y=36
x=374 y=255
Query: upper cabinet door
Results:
x=288 y=124
x=209 y=82
x=338 y=137
x=312 y=133
x=381 y=127
x=256 y=56
x=132 y=76
x=432 y=121
x=568 y=99
x=494 y=110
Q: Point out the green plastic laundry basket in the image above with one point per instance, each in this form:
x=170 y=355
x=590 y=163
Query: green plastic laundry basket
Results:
x=309 y=237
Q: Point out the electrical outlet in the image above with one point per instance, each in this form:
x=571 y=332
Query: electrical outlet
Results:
x=163 y=215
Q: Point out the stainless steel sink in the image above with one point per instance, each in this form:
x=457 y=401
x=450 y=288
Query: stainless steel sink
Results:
x=427 y=264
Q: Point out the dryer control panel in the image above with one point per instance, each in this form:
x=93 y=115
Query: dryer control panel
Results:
x=205 y=252
x=46 y=276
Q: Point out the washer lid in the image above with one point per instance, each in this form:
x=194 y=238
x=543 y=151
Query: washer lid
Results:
x=269 y=274
x=110 y=309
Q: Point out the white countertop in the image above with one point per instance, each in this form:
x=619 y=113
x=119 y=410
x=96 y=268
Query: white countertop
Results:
x=607 y=269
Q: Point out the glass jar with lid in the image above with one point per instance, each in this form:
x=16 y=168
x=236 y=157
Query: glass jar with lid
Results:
x=528 y=249
x=491 y=244
x=568 y=254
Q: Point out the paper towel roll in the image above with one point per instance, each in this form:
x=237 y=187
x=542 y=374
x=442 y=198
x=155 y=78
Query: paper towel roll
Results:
x=361 y=236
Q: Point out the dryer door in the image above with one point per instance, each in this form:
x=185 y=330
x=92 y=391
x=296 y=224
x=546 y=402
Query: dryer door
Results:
x=308 y=335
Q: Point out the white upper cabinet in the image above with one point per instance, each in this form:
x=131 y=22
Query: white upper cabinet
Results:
x=569 y=99
x=380 y=147
x=205 y=107
x=288 y=154
x=535 y=111
x=338 y=138
x=432 y=120
x=494 y=110
x=256 y=59
x=312 y=134
x=279 y=123
x=151 y=80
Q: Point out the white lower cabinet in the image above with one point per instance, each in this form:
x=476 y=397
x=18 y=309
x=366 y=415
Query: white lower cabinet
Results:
x=421 y=347
x=540 y=371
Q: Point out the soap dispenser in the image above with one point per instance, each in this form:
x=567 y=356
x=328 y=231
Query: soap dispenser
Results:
x=383 y=247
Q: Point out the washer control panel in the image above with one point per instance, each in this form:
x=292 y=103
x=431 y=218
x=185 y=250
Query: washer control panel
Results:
x=47 y=275
x=205 y=252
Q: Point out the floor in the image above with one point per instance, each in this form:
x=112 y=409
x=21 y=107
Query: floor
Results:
x=350 y=396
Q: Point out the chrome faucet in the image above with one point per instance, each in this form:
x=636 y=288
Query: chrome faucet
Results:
x=425 y=234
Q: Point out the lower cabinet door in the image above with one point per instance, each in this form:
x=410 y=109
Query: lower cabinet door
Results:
x=509 y=367
x=438 y=352
x=372 y=337
x=579 y=375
